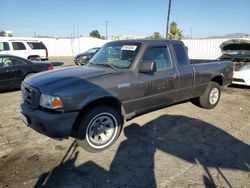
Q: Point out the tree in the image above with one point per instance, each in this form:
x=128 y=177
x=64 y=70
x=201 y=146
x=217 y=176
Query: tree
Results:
x=175 y=32
x=156 y=35
x=95 y=33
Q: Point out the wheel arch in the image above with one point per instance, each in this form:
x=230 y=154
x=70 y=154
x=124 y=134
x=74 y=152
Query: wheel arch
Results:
x=27 y=73
x=103 y=101
x=218 y=79
x=32 y=56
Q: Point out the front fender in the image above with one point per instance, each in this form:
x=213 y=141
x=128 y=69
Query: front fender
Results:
x=98 y=95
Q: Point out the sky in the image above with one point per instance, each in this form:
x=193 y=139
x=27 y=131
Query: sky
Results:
x=63 y=18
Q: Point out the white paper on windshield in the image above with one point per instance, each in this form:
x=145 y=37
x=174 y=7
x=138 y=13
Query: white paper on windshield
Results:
x=129 y=47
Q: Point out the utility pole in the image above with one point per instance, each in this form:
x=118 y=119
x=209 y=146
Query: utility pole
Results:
x=74 y=35
x=106 y=23
x=77 y=29
x=167 y=27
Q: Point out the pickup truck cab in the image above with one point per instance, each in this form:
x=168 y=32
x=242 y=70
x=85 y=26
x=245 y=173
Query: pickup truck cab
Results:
x=124 y=79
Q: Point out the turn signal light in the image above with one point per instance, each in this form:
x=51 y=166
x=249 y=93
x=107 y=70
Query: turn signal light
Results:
x=56 y=102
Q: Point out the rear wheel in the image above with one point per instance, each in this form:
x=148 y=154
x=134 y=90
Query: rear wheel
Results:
x=210 y=98
x=99 y=128
x=35 y=58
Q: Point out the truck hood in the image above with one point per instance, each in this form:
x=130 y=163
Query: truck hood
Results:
x=235 y=50
x=50 y=81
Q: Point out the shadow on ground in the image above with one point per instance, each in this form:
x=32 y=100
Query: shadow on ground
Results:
x=190 y=139
x=239 y=86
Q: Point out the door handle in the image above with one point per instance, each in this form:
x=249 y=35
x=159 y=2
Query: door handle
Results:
x=10 y=70
x=173 y=76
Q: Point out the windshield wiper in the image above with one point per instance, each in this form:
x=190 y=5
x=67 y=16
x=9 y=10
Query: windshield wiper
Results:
x=108 y=65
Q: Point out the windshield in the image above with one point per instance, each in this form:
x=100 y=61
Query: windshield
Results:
x=92 y=50
x=118 y=54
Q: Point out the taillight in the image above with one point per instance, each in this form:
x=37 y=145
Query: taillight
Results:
x=50 y=67
x=46 y=52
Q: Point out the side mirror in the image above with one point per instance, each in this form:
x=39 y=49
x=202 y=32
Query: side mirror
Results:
x=147 y=67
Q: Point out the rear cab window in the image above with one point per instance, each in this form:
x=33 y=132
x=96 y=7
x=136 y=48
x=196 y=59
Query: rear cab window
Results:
x=36 y=45
x=18 y=46
x=181 y=56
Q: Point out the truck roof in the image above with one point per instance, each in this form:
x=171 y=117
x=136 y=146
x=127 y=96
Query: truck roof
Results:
x=145 y=40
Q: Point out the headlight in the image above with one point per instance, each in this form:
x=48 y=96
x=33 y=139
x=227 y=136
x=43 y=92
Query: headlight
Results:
x=84 y=57
x=51 y=102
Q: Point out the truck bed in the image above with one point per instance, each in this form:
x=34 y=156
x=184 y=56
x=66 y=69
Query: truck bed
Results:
x=200 y=61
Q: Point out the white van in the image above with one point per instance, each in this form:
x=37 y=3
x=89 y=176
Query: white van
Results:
x=28 y=49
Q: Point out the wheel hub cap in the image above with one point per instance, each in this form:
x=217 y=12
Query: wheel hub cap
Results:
x=214 y=96
x=101 y=130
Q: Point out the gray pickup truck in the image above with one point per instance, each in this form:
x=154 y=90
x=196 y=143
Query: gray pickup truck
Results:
x=123 y=80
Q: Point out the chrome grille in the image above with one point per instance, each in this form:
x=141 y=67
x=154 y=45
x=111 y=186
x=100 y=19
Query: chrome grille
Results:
x=30 y=95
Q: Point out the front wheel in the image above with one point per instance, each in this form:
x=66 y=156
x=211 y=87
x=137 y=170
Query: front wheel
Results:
x=99 y=128
x=210 y=98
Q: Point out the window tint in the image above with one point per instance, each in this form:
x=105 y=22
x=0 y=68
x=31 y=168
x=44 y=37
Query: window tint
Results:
x=180 y=54
x=159 y=55
x=93 y=50
x=17 y=62
x=18 y=46
x=120 y=55
x=5 y=62
x=36 y=45
x=4 y=46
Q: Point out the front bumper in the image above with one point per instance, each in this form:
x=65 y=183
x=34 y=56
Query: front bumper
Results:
x=50 y=124
x=241 y=78
x=240 y=81
x=80 y=61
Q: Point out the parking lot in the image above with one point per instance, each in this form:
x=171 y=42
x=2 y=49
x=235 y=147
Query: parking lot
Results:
x=179 y=146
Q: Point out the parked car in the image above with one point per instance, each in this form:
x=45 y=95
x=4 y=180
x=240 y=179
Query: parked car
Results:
x=238 y=51
x=27 y=49
x=242 y=75
x=83 y=58
x=123 y=80
x=13 y=70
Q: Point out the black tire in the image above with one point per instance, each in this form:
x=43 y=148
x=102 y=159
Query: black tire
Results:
x=210 y=98
x=35 y=58
x=99 y=129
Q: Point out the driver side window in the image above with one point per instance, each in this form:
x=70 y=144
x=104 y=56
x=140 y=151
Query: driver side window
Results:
x=160 y=55
x=17 y=62
x=5 y=62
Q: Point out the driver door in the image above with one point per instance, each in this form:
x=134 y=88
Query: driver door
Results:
x=7 y=73
x=158 y=88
